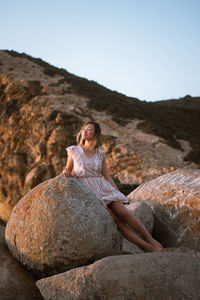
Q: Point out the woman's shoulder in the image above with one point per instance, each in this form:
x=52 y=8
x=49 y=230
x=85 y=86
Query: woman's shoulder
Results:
x=72 y=148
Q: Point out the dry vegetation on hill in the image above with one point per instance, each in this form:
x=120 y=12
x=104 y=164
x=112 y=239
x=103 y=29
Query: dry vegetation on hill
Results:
x=171 y=120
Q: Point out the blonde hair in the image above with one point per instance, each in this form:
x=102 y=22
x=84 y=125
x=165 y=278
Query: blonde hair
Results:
x=97 y=139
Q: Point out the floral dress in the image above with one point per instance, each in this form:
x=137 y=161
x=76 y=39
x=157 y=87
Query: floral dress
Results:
x=89 y=171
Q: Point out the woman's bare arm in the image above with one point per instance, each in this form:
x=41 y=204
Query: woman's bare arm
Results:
x=69 y=166
x=106 y=175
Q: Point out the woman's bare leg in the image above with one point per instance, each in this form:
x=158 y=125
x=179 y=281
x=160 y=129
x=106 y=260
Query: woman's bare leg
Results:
x=122 y=217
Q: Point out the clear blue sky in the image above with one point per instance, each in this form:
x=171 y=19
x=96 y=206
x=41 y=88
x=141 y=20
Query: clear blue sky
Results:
x=149 y=49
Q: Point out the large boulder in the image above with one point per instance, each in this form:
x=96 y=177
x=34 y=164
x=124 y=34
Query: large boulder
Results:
x=175 y=201
x=60 y=225
x=150 y=276
x=15 y=282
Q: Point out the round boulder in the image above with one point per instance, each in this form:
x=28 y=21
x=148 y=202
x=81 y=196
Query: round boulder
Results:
x=175 y=201
x=60 y=225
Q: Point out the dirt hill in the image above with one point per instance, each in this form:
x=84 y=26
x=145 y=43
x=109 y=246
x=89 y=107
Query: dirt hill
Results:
x=42 y=107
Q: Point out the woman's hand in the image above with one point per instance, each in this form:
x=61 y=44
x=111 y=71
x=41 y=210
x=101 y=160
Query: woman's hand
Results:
x=69 y=167
x=66 y=173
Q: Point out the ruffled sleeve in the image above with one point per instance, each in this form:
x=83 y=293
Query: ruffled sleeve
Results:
x=100 y=154
x=71 y=150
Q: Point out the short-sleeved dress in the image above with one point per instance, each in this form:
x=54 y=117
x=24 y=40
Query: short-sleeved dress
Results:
x=89 y=171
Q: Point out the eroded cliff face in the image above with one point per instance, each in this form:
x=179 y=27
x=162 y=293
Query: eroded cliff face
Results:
x=41 y=111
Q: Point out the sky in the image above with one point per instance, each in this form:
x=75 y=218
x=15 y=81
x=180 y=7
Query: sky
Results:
x=148 y=49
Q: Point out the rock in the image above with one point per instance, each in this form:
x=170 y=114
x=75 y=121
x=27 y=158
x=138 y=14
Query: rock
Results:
x=150 y=276
x=143 y=212
x=60 y=225
x=183 y=250
x=174 y=199
x=15 y=282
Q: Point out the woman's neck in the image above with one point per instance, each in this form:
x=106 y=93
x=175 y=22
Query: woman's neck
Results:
x=89 y=145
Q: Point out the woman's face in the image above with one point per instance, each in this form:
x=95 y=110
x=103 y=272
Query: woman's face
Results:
x=88 y=132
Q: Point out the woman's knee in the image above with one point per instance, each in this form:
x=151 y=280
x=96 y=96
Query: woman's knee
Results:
x=116 y=218
x=113 y=215
x=123 y=214
x=120 y=210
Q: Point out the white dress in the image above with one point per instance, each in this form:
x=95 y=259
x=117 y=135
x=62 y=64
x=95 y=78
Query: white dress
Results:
x=89 y=171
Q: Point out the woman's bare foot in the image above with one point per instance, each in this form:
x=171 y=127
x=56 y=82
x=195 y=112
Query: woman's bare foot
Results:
x=155 y=246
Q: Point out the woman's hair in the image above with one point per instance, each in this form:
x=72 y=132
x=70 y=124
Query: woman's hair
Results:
x=97 y=140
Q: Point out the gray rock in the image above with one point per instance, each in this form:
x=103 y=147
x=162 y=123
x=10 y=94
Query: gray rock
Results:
x=183 y=250
x=150 y=276
x=60 y=225
x=15 y=282
x=130 y=248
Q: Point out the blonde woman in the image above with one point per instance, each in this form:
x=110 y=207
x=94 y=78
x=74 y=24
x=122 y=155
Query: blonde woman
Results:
x=88 y=163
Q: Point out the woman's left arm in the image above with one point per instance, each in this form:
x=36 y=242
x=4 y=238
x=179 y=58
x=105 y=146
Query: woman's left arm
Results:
x=106 y=175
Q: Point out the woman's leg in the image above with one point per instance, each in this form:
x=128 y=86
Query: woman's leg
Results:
x=122 y=217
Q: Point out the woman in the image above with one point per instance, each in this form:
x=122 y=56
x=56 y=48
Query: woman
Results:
x=88 y=163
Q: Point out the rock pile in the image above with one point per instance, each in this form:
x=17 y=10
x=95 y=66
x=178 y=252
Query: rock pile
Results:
x=59 y=226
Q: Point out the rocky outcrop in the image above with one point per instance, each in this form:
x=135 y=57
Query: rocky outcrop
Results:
x=15 y=282
x=60 y=225
x=148 y=276
x=42 y=107
x=175 y=201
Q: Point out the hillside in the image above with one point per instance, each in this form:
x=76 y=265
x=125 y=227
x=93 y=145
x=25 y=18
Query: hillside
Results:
x=42 y=107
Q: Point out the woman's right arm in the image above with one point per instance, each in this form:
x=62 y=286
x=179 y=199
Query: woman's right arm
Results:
x=69 y=166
